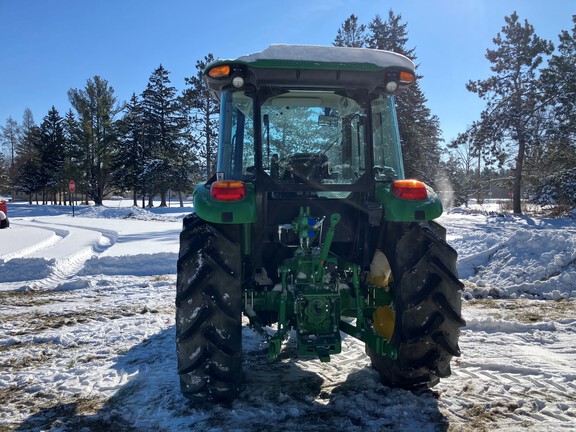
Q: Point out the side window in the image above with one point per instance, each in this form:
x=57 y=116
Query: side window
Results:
x=354 y=146
x=387 y=151
x=236 y=141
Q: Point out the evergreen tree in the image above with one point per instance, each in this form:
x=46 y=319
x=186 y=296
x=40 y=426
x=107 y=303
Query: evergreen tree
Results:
x=559 y=79
x=202 y=110
x=28 y=165
x=128 y=161
x=73 y=154
x=553 y=164
x=162 y=134
x=555 y=188
x=390 y=35
x=95 y=106
x=52 y=151
x=185 y=166
x=5 y=180
x=513 y=94
x=351 y=34
x=419 y=130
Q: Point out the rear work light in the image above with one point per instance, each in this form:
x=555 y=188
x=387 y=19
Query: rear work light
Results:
x=409 y=189
x=228 y=190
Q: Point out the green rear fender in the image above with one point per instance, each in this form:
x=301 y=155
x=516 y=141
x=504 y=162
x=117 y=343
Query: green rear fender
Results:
x=225 y=212
x=402 y=210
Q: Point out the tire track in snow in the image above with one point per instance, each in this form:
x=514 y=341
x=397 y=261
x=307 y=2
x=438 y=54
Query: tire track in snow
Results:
x=31 y=247
x=52 y=262
x=507 y=396
x=515 y=368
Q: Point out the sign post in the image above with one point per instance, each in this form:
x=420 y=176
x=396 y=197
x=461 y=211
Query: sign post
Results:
x=72 y=188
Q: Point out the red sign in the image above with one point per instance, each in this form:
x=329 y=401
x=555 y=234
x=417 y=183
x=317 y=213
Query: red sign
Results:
x=72 y=186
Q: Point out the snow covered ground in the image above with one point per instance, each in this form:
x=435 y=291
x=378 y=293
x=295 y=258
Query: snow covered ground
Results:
x=87 y=335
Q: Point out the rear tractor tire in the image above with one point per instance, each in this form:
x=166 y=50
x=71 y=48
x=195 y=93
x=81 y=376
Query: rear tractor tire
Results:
x=427 y=303
x=209 y=310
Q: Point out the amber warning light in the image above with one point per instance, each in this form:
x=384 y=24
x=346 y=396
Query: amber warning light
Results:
x=228 y=190
x=407 y=77
x=409 y=189
x=221 y=71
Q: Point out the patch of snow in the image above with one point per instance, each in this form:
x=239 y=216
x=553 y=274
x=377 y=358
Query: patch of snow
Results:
x=384 y=59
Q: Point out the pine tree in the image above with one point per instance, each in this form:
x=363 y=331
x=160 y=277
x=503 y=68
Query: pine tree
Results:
x=162 y=134
x=391 y=35
x=28 y=165
x=128 y=161
x=559 y=79
x=73 y=155
x=513 y=94
x=184 y=169
x=351 y=34
x=554 y=180
x=52 y=152
x=202 y=110
x=4 y=177
x=95 y=106
x=419 y=129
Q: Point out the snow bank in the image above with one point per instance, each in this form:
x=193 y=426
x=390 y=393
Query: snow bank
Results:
x=141 y=265
x=514 y=257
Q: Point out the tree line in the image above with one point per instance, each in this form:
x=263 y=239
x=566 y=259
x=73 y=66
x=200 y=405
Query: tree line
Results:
x=528 y=124
x=163 y=140
x=525 y=137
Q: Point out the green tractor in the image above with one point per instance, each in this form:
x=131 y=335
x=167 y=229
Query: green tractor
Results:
x=309 y=227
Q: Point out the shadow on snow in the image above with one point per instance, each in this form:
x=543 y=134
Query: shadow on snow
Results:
x=283 y=396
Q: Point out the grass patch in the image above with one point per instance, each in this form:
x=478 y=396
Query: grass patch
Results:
x=525 y=310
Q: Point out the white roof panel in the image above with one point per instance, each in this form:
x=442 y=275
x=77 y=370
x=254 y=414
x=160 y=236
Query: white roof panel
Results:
x=330 y=54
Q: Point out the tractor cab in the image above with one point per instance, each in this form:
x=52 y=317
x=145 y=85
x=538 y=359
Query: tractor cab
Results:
x=309 y=126
x=309 y=140
x=299 y=118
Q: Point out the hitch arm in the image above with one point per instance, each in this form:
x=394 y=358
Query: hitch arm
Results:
x=319 y=274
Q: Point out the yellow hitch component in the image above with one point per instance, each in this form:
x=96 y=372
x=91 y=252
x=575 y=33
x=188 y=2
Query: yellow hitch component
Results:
x=380 y=271
x=384 y=321
x=380 y=275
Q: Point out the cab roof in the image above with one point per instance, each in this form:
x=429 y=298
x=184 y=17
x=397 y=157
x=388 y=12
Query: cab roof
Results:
x=326 y=57
x=312 y=66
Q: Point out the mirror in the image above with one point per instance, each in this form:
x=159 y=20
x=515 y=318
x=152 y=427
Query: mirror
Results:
x=328 y=120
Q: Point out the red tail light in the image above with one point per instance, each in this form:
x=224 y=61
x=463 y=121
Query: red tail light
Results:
x=228 y=190
x=409 y=189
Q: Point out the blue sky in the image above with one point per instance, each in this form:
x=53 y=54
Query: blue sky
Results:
x=49 y=47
